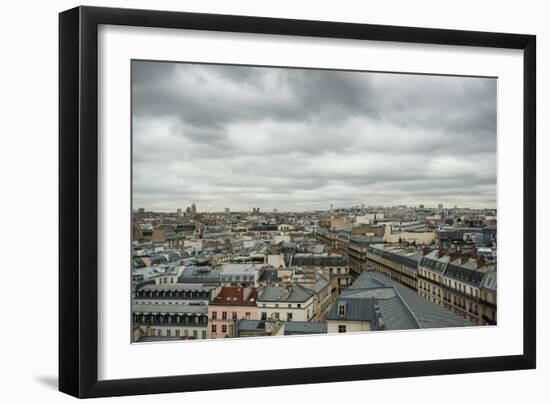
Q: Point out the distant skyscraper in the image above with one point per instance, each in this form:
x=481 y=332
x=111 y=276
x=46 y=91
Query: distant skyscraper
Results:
x=274 y=210
x=179 y=212
x=193 y=208
x=227 y=210
x=188 y=210
x=421 y=206
x=141 y=211
x=440 y=206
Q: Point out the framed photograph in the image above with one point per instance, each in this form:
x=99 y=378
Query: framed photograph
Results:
x=250 y=201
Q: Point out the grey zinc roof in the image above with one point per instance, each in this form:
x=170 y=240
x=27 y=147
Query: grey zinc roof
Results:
x=357 y=309
x=305 y=327
x=251 y=325
x=428 y=314
x=270 y=275
x=199 y=275
x=318 y=260
x=471 y=276
x=170 y=308
x=175 y=286
x=277 y=294
x=401 y=310
x=435 y=263
x=490 y=281
x=396 y=315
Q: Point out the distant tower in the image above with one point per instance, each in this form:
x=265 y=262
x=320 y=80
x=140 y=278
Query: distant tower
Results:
x=440 y=206
x=227 y=210
x=179 y=212
x=193 y=208
x=331 y=206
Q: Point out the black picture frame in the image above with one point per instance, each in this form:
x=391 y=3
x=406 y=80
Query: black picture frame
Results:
x=78 y=200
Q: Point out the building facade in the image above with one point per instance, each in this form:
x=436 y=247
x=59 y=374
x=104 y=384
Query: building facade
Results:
x=462 y=285
x=228 y=305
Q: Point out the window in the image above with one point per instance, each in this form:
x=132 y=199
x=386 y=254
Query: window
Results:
x=224 y=315
x=214 y=328
x=177 y=333
x=214 y=315
x=224 y=328
x=247 y=314
x=288 y=316
x=264 y=315
x=341 y=328
x=204 y=335
x=342 y=309
x=168 y=333
x=234 y=315
x=276 y=315
x=195 y=334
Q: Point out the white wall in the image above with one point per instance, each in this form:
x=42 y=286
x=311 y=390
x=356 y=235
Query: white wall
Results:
x=28 y=163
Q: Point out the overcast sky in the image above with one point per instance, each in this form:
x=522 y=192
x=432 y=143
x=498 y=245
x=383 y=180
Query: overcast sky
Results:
x=295 y=139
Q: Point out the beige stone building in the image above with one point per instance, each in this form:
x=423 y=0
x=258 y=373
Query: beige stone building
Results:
x=400 y=264
x=462 y=285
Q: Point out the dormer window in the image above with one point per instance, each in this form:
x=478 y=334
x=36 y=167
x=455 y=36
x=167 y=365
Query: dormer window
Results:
x=341 y=309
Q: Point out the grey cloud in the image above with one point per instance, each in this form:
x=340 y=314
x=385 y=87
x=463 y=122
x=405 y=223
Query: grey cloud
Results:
x=240 y=136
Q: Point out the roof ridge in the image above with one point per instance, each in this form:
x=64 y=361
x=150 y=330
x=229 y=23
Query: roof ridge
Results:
x=407 y=306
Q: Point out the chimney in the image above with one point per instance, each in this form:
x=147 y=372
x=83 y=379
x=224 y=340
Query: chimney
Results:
x=287 y=290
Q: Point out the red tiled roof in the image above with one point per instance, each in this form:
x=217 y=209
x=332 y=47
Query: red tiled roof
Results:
x=233 y=295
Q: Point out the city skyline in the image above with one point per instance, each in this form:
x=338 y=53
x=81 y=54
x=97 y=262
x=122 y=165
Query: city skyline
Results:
x=277 y=210
x=297 y=140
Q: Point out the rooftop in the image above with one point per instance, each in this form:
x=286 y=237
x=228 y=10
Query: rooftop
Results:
x=230 y=269
x=232 y=295
x=389 y=305
x=304 y=327
x=295 y=293
x=170 y=308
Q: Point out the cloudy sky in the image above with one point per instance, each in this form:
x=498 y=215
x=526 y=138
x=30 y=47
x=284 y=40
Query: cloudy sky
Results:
x=294 y=139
